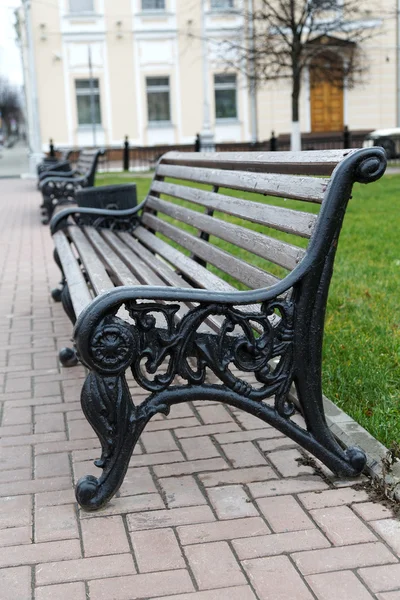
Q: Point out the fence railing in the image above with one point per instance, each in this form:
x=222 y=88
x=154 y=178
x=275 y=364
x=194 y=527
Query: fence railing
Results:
x=143 y=158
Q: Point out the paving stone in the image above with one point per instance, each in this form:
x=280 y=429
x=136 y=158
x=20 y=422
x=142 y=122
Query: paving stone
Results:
x=222 y=530
x=55 y=523
x=103 y=536
x=287 y=486
x=283 y=513
x=195 y=466
x=85 y=568
x=246 y=475
x=15 y=511
x=343 y=557
x=342 y=584
x=389 y=530
x=242 y=592
x=51 y=465
x=342 y=526
x=279 y=543
x=160 y=441
x=36 y=553
x=288 y=463
x=142 y=586
x=169 y=518
x=63 y=591
x=214 y=565
x=199 y=447
x=182 y=491
x=381 y=579
x=167 y=556
x=276 y=578
x=231 y=502
x=372 y=511
x=16 y=583
x=343 y=496
x=243 y=454
x=15 y=536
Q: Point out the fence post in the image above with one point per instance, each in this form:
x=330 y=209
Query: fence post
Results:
x=126 y=154
x=346 y=137
x=273 y=142
x=51 y=147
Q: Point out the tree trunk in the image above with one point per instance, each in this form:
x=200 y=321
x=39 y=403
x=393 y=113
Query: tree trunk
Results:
x=295 y=137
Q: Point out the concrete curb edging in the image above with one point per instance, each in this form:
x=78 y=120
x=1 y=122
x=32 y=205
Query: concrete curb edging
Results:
x=351 y=433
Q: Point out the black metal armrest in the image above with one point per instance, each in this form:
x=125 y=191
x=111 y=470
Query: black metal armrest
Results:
x=60 y=220
x=54 y=172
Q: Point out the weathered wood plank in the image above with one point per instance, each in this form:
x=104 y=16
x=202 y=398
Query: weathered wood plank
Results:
x=276 y=251
x=94 y=267
x=299 y=187
x=123 y=275
x=311 y=162
x=248 y=274
x=283 y=219
x=80 y=295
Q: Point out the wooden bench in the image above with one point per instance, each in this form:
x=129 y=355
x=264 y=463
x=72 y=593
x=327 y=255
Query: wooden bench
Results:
x=199 y=281
x=54 y=165
x=60 y=187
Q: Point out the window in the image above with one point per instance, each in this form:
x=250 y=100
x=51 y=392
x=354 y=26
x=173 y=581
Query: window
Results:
x=158 y=105
x=81 y=6
x=84 y=104
x=153 y=4
x=221 y=4
x=225 y=96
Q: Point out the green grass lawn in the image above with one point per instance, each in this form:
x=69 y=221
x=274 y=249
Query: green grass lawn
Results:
x=361 y=370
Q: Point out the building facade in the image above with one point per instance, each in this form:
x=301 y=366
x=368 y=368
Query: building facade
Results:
x=109 y=68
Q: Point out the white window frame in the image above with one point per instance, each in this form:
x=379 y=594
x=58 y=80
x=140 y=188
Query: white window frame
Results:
x=86 y=92
x=222 y=8
x=226 y=86
x=79 y=10
x=153 y=10
x=161 y=88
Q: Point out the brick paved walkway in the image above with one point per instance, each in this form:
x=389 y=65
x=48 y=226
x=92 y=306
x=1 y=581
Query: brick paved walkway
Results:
x=214 y=507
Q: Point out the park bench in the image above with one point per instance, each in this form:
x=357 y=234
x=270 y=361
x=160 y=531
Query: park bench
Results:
x=59 y=188
x=160 y=291
x=54 y=164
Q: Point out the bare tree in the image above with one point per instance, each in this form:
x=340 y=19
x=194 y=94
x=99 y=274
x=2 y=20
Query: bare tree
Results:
x=10 y=103
x=288 y=36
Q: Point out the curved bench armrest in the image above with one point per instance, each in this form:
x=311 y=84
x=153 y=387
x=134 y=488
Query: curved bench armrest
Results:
x=60 y=220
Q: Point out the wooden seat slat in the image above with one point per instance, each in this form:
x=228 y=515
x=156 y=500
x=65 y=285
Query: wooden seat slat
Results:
x=283 y=219
x=145 y=272
x=306 y=162
x=95 y=270
x=308 y=189
x=200 y=276
x=78 y=289
x=123 y=275
x=242 y=271
x=276 y=251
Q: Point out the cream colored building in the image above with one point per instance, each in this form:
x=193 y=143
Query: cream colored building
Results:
x=147 y=75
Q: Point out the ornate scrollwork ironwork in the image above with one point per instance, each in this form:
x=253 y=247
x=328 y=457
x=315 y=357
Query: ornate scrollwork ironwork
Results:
x=258 y=342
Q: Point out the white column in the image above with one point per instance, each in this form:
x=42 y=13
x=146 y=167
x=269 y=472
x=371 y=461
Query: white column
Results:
x=35 y=150
x=207 y=143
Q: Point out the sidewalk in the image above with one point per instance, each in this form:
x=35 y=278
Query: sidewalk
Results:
x=215 y=505
x=14 y=161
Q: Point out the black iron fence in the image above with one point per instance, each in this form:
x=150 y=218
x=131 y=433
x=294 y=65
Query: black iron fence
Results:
x=144 y=158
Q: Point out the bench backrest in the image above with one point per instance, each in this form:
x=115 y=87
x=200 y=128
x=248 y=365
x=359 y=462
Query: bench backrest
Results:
x=266 y=204
x=87 y=164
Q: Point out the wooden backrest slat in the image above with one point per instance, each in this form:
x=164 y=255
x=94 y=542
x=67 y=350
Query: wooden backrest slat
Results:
x=283 y=219
x=309 y=162
x=123 y=275
x=80 y=295
x=198 y=274
x=308 y=189
x=244 y=272
x=94 y=267
x=271 y=249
